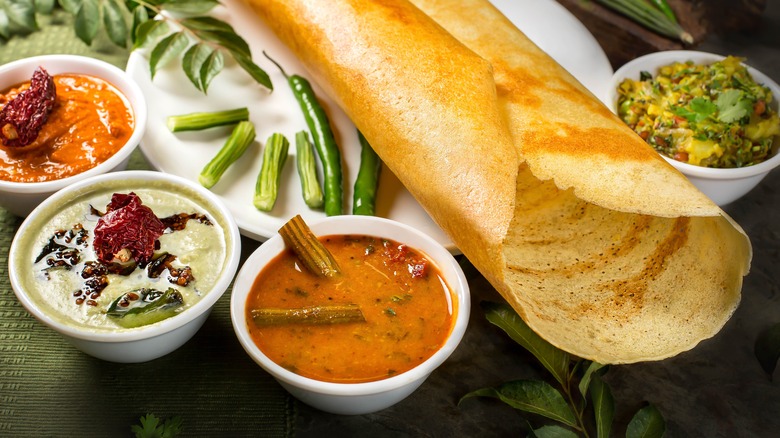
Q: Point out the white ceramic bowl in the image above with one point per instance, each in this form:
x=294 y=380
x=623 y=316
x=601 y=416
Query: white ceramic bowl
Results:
x=353 y=398
x=19 y=197
x=723 y=186
x=124 y=345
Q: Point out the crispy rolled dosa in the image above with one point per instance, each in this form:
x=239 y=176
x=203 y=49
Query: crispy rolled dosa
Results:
x=603 y=248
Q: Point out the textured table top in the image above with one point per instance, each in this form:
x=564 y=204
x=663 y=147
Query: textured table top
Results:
x=47 y=388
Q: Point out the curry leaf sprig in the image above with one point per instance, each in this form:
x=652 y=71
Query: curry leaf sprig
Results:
x=170 y=28
x=656 y=15
x=583 y=393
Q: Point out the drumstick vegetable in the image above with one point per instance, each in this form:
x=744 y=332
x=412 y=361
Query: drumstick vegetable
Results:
x=311 y=252
x=242 y=136
x=324 y=140
x=307 y=171
x=337 y=314
x=267 y=186
x=364 y=199
x=205 y=120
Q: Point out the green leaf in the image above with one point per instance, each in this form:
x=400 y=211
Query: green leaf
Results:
x=733 y=106
x=44 y=6
x=148 y=31
x=534 y=396
x=767 y=349
x=140 y=16
x=166 y=50
x=647 y=423
x=70 y=6
x=229 y=40
x=114 y=22
x=87 y=21
x=257 y=73
x=189 y=6
x=585 y=381
x=553 y=431
x=21 y=13
x=553 y=359
x=150 y=427
x=603 y=406
x=192 y=61
x=210 y=68
x=5 y=25
x=206 y=24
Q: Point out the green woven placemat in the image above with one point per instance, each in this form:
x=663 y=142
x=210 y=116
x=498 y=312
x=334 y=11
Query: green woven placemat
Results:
x=48 y=388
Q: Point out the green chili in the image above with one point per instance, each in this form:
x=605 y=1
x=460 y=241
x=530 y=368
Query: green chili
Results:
x=364 y=199
x=205 y=120
x=267 y=186
x=324 y=140
x=664 y=7
x=242 y=136
x=307 y=171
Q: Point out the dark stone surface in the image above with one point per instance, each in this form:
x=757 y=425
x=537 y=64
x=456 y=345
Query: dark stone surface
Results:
x=716 y=390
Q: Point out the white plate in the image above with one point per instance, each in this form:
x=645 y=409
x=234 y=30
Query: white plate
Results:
x=544 y=21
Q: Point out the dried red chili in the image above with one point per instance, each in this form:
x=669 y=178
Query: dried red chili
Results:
x=128 y=226
x=21 y=119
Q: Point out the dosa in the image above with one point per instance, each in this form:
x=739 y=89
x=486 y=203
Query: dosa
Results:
x=604 y=249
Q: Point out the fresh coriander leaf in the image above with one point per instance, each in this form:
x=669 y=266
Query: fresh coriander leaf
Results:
x=703 y=107
x=21 y=13
x=166 y=50
x=193 y=60
x=553 y=431
x=189 y=6
x=767 y=349
x=206 y=23
x=733 y=106
x=257 y=73
x=44 y=6
x=140 y=16
x=534 y=396
x=148 y=31
x=603 y=406
x=586 y=377
x=150 y=427
x=114 y=22
x=553 y=359
x=87 y=21
x=647 y=423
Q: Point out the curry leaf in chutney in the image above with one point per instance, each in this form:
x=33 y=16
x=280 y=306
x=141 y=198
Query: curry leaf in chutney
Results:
x=553 y=359
x=534 y=396
x=767 y=349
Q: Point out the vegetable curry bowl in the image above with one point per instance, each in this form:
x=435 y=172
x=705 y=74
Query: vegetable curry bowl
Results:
x=352 y=314
x=63 y=118
x=712 y=117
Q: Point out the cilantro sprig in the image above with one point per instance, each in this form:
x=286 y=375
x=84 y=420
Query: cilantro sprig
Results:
x=153 y=427
x=730 y=106
x=169 y=28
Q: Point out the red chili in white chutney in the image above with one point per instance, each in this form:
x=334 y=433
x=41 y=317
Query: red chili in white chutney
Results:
x=409 y=311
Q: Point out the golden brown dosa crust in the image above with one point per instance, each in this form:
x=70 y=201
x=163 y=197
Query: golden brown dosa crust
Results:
x=603 y=248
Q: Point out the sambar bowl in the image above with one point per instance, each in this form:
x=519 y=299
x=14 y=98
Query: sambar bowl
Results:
x=722 y=185
x=358 y=397
x=21 y=196
x=106 y=309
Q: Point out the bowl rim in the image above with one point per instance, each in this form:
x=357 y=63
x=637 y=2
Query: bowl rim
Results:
x=657 y=59
x=435 y=253
x=233 y=255
x=119 y=79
